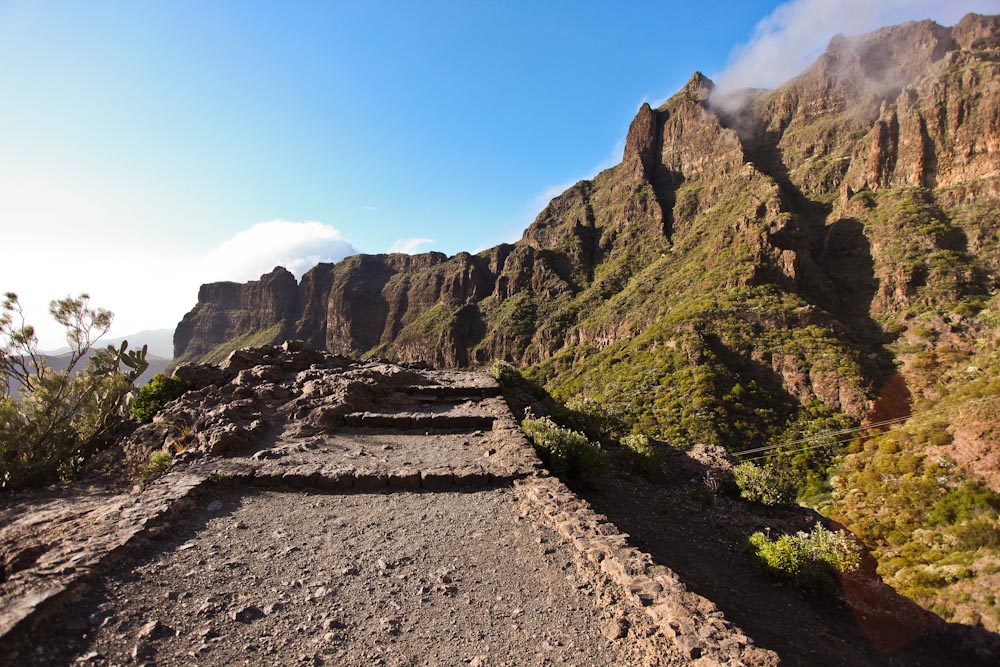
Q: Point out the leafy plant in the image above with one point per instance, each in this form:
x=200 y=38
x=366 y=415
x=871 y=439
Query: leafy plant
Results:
x=809 y=558
x=642 y=455
x=565 y=451
x=595 y=419
x=157 y=463
x=763 y=484
x=505 y=374
x=155 y=394
x=61 y=417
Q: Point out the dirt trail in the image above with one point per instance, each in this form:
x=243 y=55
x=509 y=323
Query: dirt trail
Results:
x=354 y=579
x=419 y=530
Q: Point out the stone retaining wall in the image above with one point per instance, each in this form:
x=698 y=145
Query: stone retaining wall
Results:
x=695 y=625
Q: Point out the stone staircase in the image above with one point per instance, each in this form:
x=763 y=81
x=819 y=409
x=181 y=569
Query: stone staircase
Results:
x=448 y=433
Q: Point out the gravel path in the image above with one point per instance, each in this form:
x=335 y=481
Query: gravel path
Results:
x=398 y=579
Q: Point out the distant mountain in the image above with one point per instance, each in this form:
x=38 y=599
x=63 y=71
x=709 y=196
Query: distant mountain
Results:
x=160 y=342
x=827 y=254
x=60 y=362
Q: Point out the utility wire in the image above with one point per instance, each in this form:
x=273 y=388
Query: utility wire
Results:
x=845 y=431
x=827 y=434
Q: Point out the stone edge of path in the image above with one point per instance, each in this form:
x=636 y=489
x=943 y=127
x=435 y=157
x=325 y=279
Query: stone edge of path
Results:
x=694 y=624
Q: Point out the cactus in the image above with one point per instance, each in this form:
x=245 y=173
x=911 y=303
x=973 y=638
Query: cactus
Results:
x=134 y=360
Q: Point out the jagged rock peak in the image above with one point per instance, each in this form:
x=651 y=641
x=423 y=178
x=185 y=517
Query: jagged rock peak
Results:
x=698 y=88
x=976 y=31
x=886 y=58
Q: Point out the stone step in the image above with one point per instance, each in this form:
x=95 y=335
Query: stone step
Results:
x=451 y=391
x=417 y=421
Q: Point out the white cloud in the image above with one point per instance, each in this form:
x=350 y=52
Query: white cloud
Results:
x=409 y=246
x=297 y=246
x=791 y=37
x=368 y=207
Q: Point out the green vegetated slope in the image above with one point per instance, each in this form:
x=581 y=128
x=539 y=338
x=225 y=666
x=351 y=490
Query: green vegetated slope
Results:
x=881 y=299
x=817 y=257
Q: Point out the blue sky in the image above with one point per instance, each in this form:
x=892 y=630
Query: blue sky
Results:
x=141 y=143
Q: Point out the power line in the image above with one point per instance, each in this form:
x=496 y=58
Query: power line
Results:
x=821 y=436
x=824 y=435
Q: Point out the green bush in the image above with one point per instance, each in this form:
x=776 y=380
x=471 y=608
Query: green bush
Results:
x=157 y=463
x=809 y=558
x=566 y=452
x=643 y=456
x=596 y=420
x=962 y=504
x=155 y=394
x=763 y=484
x=505 y=374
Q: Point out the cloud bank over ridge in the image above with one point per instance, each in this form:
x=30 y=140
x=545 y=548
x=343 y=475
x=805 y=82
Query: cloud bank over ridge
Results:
x=791 y=37
x=297 y=246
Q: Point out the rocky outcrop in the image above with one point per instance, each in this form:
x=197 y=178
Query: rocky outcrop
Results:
x=231 y=311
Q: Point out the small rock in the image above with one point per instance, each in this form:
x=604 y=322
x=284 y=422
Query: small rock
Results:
x=349 y=571
x=615 y=629
x=239 y=525
x=214 y=506
x=247 y=614
x=141 y=651
x=273 y=607
x=154 y=630
x=208 y=608
x=478 y=661
x=390 y=625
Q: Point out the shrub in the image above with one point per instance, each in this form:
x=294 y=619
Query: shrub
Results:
x=565 y=451
x=596 y=420
x=61 y=417
x=809 y=558
x=157 y=463
x=762 y=484
x=155 y=394
x=505 y=374
x=642 y=455
x=963 y=503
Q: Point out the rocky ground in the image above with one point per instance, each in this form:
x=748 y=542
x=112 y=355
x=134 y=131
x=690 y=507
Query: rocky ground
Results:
x=349 y=579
